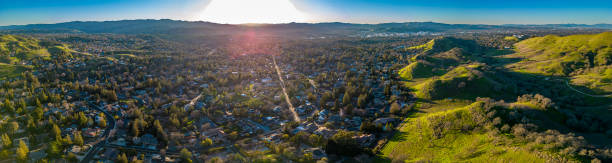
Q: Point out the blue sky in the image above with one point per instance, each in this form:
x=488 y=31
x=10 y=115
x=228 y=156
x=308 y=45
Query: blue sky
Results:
x=355 y=11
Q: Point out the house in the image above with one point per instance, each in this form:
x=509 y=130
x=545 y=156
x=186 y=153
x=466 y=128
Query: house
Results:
x=91 y=132
x=37 y=155
x=214 y=134
x=26 y=140
x=110 y=153
x=76 y=149
x=149 y=141
x=365 y=140
x=277 y=109
x=120 y=142
x=266 y=80
x=204 y=86
x=384 y=121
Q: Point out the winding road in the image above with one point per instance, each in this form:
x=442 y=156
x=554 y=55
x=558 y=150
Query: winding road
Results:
x=104 y=138
x=296 y=117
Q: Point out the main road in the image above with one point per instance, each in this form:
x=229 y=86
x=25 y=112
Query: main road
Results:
x=296 y=117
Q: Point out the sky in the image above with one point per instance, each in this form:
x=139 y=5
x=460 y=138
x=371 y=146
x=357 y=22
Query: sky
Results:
x=18 y=12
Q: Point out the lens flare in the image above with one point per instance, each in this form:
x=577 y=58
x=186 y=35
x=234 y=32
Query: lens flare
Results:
x=252 y=11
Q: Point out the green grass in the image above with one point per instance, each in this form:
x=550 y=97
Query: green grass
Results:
x=555 y=55
x=461 y=82
x=415 y=141
x=599 y=81
x=425 y=47
x=17 y=44
x=39 y=53
x=10 y=71
x=416 y=70
x=126 y=55
x=440 y=105
x=511 y=38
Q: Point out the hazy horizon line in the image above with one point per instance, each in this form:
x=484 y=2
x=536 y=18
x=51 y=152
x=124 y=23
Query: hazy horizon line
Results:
x=320 y=22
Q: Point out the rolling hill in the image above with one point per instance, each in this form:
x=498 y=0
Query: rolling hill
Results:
x=16 y=52
x=585 y=59
x=466 y=81
x=555 y=55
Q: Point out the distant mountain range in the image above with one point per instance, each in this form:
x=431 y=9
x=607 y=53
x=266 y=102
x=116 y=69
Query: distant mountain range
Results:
x=166 y=26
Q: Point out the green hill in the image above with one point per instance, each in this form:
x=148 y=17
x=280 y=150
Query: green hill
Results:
x=16 y=51
x=418 y=69
x=488 y=131
x=16 y=44
x=461 y=82
x=16 y=48
x=437 y=55
x=443 y=44
x=466 y=134
x=555 y=55
x=583 y=58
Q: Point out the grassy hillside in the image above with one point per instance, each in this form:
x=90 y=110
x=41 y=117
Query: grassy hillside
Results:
x=530 y=128
x=598 y=80
x=462 y=82
x=488 y=131
x=416 y=70
x=10 y=71
x=17 y=51
x=585 y=59
x=16 y=44
x=555 y=55
x=438 y=56
x=462 y=134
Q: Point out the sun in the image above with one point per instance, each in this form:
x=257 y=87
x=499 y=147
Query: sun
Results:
x=252 y=11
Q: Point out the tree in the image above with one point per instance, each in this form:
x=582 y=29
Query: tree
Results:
x=38 y=114
x=67 y=140
x=56 y=132
x=78 y=139
x=315 y=140
x=82 y=119
x=395 y=108
x=122 y=158
x=159 y=130
x=8 y=106
x=135 y=129
x=71 y=157
x=387 y=90
x=13 y=127
x=347 y=98
x=186 y=155
x=206 y=142
x=343 y=143
x=102 y=122
x=54 y=150
x=6 y=141
x=361 y=100
x=22 y=151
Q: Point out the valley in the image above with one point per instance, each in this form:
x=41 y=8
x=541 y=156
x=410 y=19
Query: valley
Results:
x=100 y=91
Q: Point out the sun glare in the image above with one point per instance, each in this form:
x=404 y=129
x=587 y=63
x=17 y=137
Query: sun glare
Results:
x=252 y=11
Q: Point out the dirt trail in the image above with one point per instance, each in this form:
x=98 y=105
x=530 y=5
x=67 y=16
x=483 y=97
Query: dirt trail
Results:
x=586 y=94
x=296 y=117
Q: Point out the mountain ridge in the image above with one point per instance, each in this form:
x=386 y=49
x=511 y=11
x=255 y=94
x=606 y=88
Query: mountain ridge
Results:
x=141 y=26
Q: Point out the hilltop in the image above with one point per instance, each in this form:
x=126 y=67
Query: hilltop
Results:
x=17 y=53
x=555 y=55
x=467 y=99
x=440 y=54
x=466 y=81
x=584 y=58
